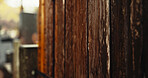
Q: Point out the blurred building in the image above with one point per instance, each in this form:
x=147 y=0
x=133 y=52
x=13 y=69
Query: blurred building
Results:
x=28 y=27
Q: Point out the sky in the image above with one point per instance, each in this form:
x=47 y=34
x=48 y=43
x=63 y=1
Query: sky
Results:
x=28 y=5
x=25 y=3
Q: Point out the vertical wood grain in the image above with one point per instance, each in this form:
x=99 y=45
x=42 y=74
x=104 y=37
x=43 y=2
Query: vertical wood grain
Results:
x=78 y=42
x=69 y=53
x=119 y=38
x=126 y=37
x=79 y=46
x=39 y=36
x=41 y=32
x=99 y=39
x=136 y=30
x=76 y=39
x=59 y=39
x=49 y=37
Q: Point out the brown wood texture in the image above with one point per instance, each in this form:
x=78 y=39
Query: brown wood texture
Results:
x=76 y=39
x=119 y=38
x=39 y=37
x=126 y=37
x=69 y=53
x=41 y=32
x=59 y=39
x=136 y=30
x=49 y=37
x=92 y=38
x=99 y=39
x=79 y=46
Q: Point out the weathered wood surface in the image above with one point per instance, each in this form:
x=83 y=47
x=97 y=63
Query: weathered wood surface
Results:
x=59 y=39
x=126 y=37
x=28 y=61
x=49 y=40
x=119 y=38
x=76 y=61
x=136 y=39
x=79 y=46
x=92 y=39
x=99 y=34
x=69 y=53
x=41 y=32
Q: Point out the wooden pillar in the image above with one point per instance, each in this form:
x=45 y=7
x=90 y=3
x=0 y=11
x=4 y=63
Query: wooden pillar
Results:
x=28 y=61
x=126 y=38
x=99 y=38
x=41 y=31
x=91 y=38
x=76 y=51
x=136 y=40
x=59 y=39
x=49 y=37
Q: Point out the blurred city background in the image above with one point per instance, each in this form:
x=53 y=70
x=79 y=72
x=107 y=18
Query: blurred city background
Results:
x=17 y=23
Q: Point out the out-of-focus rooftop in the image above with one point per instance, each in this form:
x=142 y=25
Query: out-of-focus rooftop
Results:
x=17 y=20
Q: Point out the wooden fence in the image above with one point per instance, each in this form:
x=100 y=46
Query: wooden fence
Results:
x=93 y=38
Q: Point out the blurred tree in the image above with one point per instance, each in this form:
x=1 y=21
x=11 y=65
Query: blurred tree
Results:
x=9 y=13
x=1 y=1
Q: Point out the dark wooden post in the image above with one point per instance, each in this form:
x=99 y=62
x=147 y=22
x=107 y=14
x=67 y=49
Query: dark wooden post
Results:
x=126 y=38
x=28 y=61
x=91 y=38
x=136 y=39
